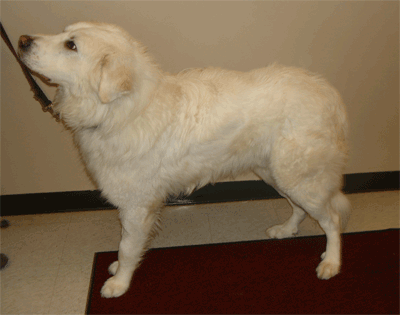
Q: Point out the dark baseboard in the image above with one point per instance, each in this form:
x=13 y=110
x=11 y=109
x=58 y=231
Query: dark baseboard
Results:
x=220 y=192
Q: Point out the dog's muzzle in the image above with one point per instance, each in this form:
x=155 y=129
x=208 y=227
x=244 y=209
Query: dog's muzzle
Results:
x=25 y=42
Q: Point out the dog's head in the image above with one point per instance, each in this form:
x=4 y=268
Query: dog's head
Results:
x=87 y=58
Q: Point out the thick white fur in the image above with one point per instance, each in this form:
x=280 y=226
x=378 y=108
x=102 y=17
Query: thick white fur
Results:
x=145 y=134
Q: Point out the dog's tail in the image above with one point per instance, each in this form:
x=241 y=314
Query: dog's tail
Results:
x=342 y=205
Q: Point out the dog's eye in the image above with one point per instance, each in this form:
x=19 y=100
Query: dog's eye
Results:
x=71 y=45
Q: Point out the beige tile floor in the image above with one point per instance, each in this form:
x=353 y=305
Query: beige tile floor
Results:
x=51 y=255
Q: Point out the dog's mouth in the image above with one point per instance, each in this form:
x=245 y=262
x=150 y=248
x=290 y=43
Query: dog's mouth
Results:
x=22 y=58
x=35 y=73
x=39 y=75
x=44 y=78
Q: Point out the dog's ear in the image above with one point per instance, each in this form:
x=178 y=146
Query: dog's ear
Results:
x=116 y=78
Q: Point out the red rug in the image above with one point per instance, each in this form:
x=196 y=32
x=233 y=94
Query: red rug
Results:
x=271 y=276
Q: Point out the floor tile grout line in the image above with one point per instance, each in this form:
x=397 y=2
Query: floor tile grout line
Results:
x=59 y=266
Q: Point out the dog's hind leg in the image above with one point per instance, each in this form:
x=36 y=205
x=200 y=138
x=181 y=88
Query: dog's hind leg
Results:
x=333 y=223
x=309 y=173
x=136 y=229
x=331 y=213
x=331 y=210
x=331 y=219
x=289 y=227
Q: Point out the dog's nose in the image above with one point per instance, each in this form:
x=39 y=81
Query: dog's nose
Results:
x=25 y=42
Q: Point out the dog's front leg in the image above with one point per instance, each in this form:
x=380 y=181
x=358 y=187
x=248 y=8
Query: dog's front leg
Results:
x=136 y=227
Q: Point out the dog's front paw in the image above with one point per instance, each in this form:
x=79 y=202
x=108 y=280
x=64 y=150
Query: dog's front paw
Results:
x=112 y=269
x=113 y=288
x=327 y=269
x=281 y=231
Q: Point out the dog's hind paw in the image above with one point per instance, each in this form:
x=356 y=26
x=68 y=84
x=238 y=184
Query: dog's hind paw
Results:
x=327 y=270
x=281 y=231
x=113 y=288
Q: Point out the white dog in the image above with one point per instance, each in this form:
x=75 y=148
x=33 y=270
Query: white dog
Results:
x=145 y=134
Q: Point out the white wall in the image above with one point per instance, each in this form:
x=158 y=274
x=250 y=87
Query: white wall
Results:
x=354 y=44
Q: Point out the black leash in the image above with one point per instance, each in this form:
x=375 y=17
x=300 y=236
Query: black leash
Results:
x=47 y=105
